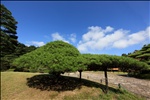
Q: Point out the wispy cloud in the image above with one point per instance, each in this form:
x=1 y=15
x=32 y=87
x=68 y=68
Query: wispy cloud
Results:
x=73 y=38
x=35 y=43
x=57 y=36
x=97 y=38
x=148 y=31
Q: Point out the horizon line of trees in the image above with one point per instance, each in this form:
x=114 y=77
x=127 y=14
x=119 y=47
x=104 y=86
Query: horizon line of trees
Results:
x=10 y=47
x=142 y=55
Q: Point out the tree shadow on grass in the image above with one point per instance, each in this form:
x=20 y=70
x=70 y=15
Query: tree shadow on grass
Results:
x=63 y=83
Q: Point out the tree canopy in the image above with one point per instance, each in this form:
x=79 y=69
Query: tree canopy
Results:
x=100 y=62
x=58 y=56
x=9 y=45
x=54 y=57
x=8 y=37
x=8 y=31
x=8 y=23
x=143 y=54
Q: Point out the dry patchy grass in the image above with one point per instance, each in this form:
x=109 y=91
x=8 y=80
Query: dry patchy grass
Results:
x=14 y=87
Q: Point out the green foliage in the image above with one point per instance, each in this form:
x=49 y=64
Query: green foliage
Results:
x=99 y=62
x=81 y=63
x=142 y=55
x=90 y=62
x=8 y=31
x=23 y=49
x=6 y=62
x=57 y=57
x=7 y=59
x=8 y=38
x=8 y=22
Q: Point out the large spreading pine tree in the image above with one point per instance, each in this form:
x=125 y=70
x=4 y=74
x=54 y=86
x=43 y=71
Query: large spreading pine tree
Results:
x=55 y=57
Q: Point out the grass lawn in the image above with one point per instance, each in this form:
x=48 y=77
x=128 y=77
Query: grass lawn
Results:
x=36 y=86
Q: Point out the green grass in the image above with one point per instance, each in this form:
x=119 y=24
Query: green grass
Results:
x=36 y=86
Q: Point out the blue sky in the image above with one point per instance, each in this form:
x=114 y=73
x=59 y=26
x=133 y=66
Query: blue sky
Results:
x=102 y=27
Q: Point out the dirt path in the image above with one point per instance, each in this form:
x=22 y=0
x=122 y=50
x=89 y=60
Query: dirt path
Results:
x=137 y=86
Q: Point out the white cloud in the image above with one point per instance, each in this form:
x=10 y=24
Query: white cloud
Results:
x=35 y=43
x=109 y=29
x=93 y=34
x=97 y=38
x=148 y=32
x=120 y=43
x=132 y=39
x=56 y=36
x=73 y=38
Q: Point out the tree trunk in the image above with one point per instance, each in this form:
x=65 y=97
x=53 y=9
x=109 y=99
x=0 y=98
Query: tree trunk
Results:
x=80 y=71
x=106 y=79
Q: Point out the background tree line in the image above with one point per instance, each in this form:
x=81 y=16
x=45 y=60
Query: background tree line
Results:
x=10 y=47
x=142 y=55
